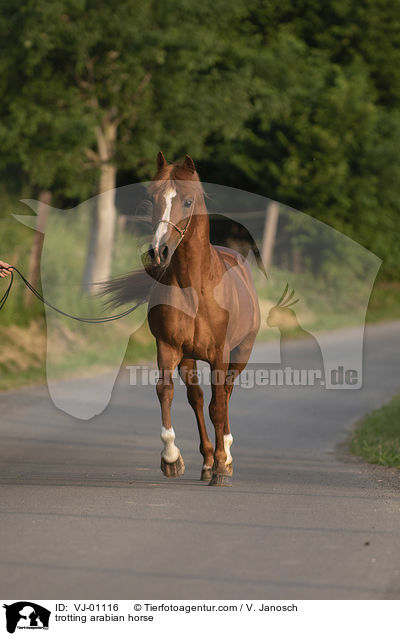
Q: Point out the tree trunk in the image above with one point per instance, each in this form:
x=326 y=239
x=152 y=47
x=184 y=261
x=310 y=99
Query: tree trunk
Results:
x=37 y=246
x=270 y=227
x=101 y=242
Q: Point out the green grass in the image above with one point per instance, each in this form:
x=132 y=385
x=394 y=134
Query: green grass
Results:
x=377 y=436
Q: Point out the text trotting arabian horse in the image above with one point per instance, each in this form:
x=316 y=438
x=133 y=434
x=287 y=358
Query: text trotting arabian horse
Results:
x=218 y=320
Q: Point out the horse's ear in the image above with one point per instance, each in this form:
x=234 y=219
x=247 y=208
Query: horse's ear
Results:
x=161 y=162
x=189 y=164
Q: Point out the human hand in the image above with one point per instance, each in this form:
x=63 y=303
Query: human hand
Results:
x=6 y=271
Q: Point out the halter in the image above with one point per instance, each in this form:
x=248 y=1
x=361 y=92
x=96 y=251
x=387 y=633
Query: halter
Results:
x=178 y=229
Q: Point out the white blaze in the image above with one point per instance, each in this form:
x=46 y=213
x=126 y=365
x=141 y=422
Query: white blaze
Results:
x=170 y=452
x=162 y=226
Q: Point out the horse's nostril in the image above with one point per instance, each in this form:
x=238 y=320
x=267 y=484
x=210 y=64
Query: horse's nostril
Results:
x=164 y=252
x=151 y=253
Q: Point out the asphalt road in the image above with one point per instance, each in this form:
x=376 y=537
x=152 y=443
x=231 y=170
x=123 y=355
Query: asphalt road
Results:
x=86 y=513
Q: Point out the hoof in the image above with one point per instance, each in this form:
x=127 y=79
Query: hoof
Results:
x=206 y=474
x=176 y=469
x=220 y=480
x=229 y=468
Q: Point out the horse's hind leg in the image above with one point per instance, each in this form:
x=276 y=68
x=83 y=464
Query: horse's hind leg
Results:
x=171 y=460
x=188 y=373
x=221 y=476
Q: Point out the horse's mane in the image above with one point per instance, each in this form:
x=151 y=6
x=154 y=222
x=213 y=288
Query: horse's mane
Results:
x=170 y=175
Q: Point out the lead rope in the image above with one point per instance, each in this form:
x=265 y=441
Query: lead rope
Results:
x=79 y=318
x=59 y=311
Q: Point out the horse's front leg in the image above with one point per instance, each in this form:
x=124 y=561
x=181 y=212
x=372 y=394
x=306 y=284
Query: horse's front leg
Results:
x=221 y=475
x=187 y=371
x=171 y=460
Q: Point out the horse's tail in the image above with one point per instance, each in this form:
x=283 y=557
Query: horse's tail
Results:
x=133 y=287
x=258 y=258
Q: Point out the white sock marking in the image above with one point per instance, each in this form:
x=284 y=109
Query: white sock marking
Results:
x=228 y=439
x=170 y=452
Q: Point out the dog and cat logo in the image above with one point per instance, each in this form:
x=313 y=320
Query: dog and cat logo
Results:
x=26 y=615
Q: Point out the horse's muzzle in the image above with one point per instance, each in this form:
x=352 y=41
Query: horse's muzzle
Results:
x=159 y=255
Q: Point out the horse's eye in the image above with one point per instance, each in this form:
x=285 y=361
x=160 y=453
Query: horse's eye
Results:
x=188 y=203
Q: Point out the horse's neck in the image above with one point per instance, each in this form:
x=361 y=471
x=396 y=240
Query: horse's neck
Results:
x=193 y=259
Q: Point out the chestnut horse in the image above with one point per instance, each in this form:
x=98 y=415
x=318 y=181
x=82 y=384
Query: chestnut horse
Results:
x=205 y=309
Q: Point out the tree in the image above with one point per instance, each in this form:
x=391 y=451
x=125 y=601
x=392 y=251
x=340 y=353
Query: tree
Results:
x=140 y=76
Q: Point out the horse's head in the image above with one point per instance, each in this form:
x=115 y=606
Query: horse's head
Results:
x=174 y=192
x=280 y=315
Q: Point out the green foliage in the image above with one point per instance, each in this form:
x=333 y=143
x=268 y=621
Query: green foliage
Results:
x=165 y=73
x=44 y=127
x=324 y=131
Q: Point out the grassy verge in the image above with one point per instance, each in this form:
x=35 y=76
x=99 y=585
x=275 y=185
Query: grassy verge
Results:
x=377 y=436
x=23 y=353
